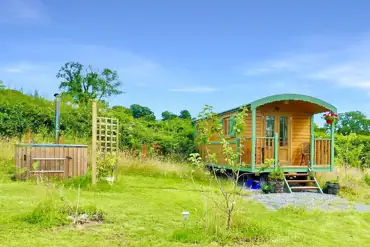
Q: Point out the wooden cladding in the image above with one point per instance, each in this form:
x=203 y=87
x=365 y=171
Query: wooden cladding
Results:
x=322 y=151
x=215 y=149
x=50 y=160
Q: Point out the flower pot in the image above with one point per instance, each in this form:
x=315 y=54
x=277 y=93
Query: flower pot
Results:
x=333 y=188
x=277 y=186
x=328 y=121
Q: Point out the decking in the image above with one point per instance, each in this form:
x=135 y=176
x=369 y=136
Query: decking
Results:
x=319 y=161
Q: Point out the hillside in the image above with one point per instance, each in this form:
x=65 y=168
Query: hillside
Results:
x=20 y=112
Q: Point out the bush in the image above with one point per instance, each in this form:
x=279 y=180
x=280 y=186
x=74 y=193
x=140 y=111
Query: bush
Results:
x=367 y=179
x=51 y=212
x=20 y=113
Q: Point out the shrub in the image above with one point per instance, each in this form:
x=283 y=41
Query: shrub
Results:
x=367 y=179
x=277 y=174
x=52 y=212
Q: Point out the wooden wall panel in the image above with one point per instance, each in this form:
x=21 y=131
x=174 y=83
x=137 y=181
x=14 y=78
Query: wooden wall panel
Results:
x=301 y=132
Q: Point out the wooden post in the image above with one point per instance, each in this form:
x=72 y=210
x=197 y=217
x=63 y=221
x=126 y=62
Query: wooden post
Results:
x=276 y=151
x=253 y=159
x=332 y=147
x=143 y=151
x=29 y=134
x=312 y=143
x=93 y=148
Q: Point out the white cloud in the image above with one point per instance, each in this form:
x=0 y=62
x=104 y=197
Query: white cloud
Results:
x=22 y=10
x=20 y=67
x=195 y=89
x=346 y=67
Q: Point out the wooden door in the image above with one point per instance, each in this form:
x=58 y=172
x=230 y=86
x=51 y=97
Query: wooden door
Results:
x=280 y=123
x=284 y=143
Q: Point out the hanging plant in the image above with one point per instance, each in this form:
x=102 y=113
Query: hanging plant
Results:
x=330 y=117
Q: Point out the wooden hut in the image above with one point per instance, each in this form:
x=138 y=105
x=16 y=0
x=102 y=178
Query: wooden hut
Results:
x=279 y=127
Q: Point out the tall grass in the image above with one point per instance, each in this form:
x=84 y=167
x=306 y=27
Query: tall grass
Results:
x=130 y=163
x=352 y=181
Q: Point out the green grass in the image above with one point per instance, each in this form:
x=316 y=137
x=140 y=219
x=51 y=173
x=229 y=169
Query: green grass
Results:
x=144 y=206
x=146 y=211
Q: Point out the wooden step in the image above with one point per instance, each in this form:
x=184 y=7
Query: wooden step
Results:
x=300 y=181
x=304 y=188
x=296 y=175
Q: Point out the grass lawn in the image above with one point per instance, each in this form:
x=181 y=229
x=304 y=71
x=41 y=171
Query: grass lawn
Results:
x=144 y=206
x=146 y=211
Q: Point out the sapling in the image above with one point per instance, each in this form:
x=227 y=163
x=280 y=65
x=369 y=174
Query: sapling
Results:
x=208 y=127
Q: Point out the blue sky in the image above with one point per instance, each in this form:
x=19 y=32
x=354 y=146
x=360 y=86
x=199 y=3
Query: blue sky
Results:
x=174 y=55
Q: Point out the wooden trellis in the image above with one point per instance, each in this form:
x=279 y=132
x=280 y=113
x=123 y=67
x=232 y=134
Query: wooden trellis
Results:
x=104 y=137
x=107 y=134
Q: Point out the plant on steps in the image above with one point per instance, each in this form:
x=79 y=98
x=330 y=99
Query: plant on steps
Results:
x=276 y=179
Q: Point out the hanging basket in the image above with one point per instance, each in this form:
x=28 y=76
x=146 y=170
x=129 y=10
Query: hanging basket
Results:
x=330 y=117
x=329 y=121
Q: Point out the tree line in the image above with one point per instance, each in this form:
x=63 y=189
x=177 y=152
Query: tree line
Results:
x=19 y=112
x=80 y=84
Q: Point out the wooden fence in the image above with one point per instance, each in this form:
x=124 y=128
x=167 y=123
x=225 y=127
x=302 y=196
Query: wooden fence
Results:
x=50 y=160
x=322 y=151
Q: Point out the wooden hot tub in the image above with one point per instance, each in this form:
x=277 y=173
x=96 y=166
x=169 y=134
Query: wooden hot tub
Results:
x=51 y=160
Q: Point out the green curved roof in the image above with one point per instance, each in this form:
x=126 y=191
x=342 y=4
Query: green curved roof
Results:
x=280 y=97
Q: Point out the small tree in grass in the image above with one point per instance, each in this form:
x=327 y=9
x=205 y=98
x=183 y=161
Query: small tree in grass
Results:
x=210 y=126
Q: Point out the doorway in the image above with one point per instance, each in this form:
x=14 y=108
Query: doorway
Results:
x=281 y=124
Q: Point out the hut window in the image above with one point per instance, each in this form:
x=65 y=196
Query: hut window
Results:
x=270 y=130
x=283 y=135
x=226 y=127
x=270 y=126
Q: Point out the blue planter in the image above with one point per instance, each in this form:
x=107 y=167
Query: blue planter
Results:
x=253 y=184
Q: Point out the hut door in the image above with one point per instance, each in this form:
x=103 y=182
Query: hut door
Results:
x=277 y=123
x=284 y=143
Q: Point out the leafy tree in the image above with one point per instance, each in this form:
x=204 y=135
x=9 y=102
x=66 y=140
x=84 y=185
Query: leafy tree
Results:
x=2 y=86
x=349 y=151
x=166 y=115
x=353 y=122
x=144 y=112
x=185 y=114
x=86 y=84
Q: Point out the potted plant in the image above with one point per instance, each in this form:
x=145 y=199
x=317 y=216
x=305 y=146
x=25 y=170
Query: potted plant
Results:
x=276 y=180
x=330 y=117
x=266 y=188
x=332 y=186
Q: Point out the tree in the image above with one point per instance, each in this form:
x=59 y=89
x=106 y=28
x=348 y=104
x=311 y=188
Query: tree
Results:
x=86 y=84
x=166 y=115
x=353 y=122
x=139 y=111
x=185 y=114
x=209 y=126
x=2 y=86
